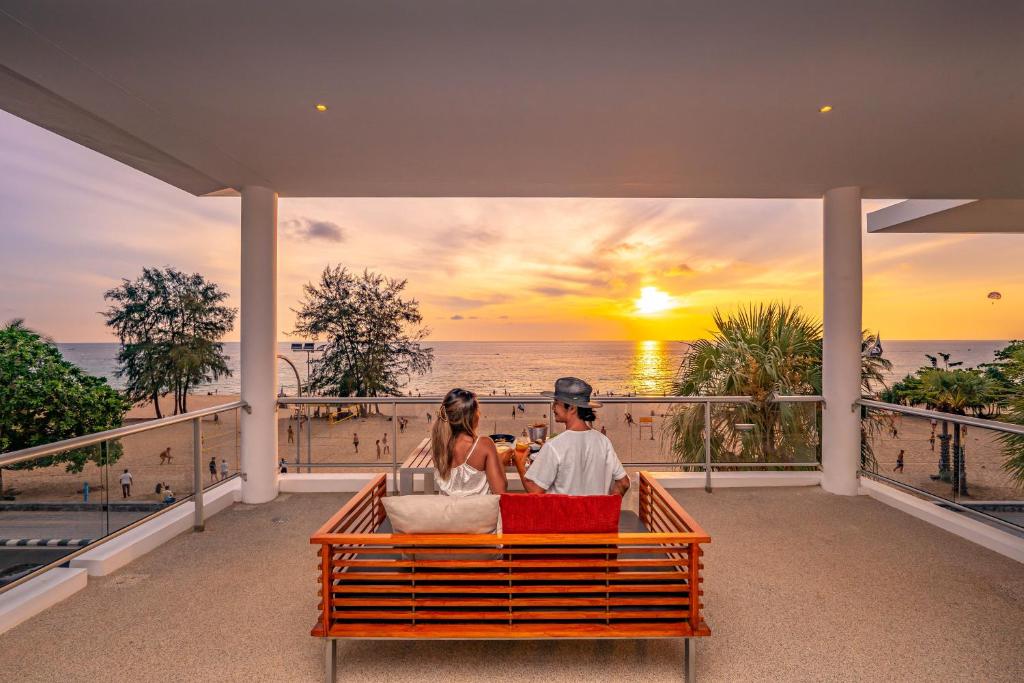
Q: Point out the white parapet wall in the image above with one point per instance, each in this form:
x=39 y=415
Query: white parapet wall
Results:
x=694 y=480
x=32 y=597
x=958 y=523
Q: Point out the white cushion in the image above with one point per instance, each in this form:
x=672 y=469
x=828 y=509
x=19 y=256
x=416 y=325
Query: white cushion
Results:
x=443 y=514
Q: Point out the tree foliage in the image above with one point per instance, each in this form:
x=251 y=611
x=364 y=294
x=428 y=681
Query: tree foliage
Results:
x=1007 y=372
x=760 y=351
x=373 y=343
x=170 y=325
x=44 y=398
x=958 y=391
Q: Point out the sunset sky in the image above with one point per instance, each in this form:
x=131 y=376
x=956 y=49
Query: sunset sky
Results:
x=73 y=222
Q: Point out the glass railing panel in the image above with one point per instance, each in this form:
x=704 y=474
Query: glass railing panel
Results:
x=48 y=511
x=764 y=436
x=221 y=447
x=157 y=458
x=56 y=504
x=967 y=465
x=641 y=432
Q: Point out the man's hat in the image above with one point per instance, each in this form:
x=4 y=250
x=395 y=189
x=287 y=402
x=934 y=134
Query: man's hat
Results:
x=573 y=391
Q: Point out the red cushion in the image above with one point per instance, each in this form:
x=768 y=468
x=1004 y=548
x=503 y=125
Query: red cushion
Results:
x=556 y=513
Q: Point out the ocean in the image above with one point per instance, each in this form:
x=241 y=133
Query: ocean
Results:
x=646 y=367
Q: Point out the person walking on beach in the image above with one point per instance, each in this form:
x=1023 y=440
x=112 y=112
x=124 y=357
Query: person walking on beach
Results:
x=428 y=418
x=126 y=484
x=165 y=456
x=378 y=449
x=291 y=434
x=223 y=469
x=931 y=441
x=283 y=467
x=213 y=469
x=355 y=441
x=384 y=442
x=899 y=463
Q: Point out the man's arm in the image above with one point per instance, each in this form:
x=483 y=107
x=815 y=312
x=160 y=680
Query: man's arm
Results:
x=528 y=484
x=620 y=486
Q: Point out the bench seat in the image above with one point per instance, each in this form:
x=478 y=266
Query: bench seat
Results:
x=642 y=582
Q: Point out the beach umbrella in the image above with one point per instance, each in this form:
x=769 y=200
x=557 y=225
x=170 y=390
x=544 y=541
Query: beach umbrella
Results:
x=995 y=296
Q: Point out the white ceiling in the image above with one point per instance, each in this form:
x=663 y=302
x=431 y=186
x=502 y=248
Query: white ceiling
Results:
x=523 y=98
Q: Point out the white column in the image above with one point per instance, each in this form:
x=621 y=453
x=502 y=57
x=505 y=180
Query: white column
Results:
x=840 y=447
x=259 y=344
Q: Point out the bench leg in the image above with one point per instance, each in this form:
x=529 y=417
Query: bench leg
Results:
x=428 y=483
x=330 y=659
x=690 y=659
x=405 y=482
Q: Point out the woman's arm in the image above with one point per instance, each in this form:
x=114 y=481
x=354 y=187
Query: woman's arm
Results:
x=492 y=466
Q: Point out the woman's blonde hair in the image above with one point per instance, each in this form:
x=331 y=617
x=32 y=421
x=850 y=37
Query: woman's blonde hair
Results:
x=457 y=415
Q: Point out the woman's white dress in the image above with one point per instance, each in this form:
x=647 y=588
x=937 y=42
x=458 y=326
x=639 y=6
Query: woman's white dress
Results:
x=464 y=480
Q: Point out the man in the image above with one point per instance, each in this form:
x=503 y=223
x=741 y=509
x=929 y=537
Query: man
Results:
x=126 y=484
x=223 y=469
x=581 y=460
x=355 y=442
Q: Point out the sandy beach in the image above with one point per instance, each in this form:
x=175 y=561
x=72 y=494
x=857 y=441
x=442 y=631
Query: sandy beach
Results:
x=333 y=442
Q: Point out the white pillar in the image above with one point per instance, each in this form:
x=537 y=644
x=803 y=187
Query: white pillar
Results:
x=259 y=344
x=840 y=446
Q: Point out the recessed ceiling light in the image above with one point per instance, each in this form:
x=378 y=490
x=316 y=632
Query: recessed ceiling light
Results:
x=826 y=109
x=323 y=107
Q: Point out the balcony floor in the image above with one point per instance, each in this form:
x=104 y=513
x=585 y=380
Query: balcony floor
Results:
x=801 y=585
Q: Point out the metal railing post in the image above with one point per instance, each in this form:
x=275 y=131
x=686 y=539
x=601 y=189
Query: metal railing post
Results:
x=199 y=523
x=707 y=446
x=298 y=437
x=105 y=459
x=394 y=445
x=309 y=441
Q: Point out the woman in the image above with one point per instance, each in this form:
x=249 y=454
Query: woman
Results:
x=466 y=464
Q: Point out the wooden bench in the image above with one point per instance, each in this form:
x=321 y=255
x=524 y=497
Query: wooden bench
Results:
x=376 y=585
x=418 y=462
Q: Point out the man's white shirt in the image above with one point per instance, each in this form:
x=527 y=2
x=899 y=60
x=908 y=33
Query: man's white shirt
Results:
x=577 y=463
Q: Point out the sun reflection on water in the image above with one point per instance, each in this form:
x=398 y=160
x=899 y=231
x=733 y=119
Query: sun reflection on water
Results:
x=652 y=368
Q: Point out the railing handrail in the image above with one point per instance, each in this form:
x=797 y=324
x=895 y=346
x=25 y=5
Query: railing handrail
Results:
x=44 y=450
x=994 y=425
x=532 y=399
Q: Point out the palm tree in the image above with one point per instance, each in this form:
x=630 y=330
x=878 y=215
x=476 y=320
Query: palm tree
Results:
x=761 y=350
x=953 y=391
x=1013 y=444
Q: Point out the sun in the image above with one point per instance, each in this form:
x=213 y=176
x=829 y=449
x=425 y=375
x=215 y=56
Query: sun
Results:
x=653 y=300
